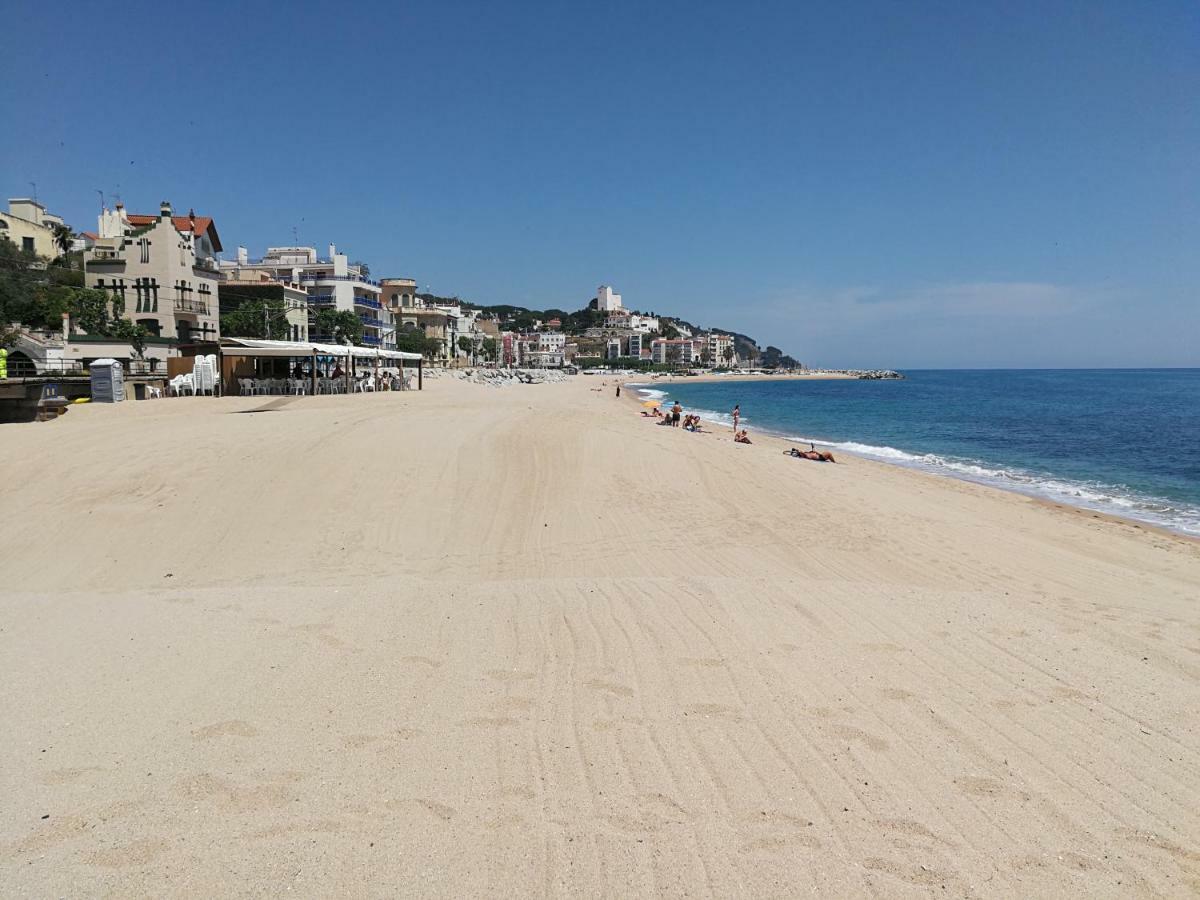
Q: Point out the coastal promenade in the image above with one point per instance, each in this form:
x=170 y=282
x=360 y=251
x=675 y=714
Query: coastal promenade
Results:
x=520 y=641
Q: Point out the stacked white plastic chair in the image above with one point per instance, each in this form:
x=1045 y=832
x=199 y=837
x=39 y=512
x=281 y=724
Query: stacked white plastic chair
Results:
x=204 y=374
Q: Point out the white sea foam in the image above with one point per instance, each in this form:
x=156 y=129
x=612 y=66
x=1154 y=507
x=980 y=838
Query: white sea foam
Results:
x=650 y=393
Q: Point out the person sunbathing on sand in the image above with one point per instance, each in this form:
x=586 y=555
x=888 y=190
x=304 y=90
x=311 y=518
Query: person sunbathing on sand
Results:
x=741 y=437
x=812 y=453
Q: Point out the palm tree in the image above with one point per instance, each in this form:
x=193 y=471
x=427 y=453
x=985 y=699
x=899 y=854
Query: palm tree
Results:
x=64 y=238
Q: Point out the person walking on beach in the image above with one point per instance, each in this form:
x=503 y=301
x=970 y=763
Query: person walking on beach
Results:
x=737 y=414
x=618 y=391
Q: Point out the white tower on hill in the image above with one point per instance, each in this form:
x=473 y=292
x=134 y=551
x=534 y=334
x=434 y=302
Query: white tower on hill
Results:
x=607 y=300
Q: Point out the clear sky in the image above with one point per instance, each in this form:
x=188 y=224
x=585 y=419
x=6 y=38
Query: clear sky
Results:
x=883 y=184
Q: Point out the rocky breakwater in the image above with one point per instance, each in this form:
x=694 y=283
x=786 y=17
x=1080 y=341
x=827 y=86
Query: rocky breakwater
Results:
x=877 y=374
x=504 y=377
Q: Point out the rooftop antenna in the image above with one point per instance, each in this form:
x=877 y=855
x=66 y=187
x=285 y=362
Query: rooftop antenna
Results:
x=295 y=236
x=33 y=184
x=101 y=193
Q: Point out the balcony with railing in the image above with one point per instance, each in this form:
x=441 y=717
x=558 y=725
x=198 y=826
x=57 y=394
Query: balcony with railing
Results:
x=368 y=301
x=312 y=277
x=198 y=307
x=370 y=321
x=321 y=299
x=370 y=341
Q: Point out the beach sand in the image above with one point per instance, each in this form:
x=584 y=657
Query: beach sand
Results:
x=520 y=641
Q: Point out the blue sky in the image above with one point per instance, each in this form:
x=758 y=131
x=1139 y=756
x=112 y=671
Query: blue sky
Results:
x=884 y=184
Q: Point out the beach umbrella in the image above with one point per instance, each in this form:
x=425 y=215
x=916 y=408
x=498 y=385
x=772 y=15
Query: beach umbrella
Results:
x=652 y=403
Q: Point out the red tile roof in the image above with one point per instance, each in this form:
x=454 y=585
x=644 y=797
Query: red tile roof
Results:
x=184 y=224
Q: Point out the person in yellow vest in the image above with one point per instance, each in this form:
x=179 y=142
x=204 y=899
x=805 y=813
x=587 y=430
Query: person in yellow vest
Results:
x=3 y=363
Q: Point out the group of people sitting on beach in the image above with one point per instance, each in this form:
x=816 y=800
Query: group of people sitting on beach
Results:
x=691 y=422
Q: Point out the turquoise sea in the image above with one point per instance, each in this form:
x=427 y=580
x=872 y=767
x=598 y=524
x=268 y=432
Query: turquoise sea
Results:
x=1120 y=441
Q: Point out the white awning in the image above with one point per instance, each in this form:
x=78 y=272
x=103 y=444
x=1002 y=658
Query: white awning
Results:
x=255 y=347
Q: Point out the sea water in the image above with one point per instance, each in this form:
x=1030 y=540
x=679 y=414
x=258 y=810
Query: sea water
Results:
x=1119 y=441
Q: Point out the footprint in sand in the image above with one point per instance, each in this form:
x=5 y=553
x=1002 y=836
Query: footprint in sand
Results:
x=609 y=687
x=491 y=721
x=437 y=810
x=231 y=728
x=137 y=853
x=780 y=843
x=421 y=660
x=919 y=874
x=907 y=829
x=66 y=776
x=981 y=786
x=849 y=733
x=713 y=711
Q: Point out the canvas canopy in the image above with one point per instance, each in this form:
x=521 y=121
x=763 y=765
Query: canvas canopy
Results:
x=255 y=347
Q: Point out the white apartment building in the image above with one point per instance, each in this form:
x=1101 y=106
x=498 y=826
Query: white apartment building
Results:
x=161 y=272
x=543 y=350
x=717 y=350
x=633 y=322
x=637 y=343
x=330 y=283
x=612 y=348
x=679 y=351
x=607 y=300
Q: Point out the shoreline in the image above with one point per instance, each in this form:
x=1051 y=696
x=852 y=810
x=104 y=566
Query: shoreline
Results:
x=785 y=442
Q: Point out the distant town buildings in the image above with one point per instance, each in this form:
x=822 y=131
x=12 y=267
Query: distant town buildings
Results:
x=164 y=272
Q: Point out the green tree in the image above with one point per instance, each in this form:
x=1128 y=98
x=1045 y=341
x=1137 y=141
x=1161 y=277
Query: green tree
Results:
x=18 y=282
x=134 y=335
x=261 y=318
x=64 y=238
x=413 y=340
x=467 y=346
x=89 y=310
x=772 y=357
x=490 y=349
x=338 y=325
x=669 y=331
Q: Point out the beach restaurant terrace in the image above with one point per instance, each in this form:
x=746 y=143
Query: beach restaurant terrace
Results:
x=252 y=366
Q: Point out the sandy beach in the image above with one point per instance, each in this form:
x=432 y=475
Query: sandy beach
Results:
x=522 y=642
